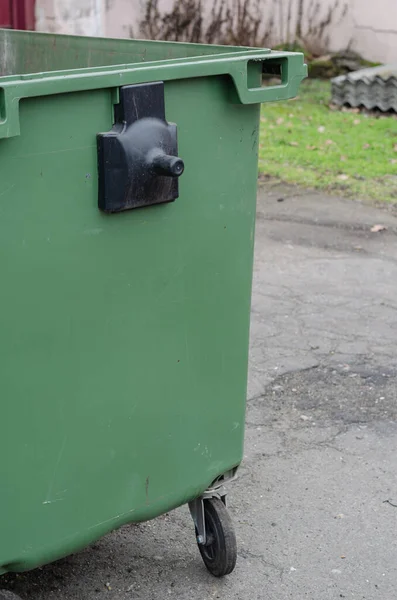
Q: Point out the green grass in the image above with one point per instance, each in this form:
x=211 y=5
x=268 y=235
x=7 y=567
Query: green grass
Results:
x=303 y=141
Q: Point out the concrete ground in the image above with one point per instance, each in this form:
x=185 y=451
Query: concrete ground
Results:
x=315 y=504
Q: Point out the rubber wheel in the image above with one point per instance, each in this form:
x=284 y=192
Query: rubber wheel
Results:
x=219 y=553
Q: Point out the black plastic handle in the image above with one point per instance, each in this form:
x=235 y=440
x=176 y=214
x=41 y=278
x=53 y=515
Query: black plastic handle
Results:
x=164 y=164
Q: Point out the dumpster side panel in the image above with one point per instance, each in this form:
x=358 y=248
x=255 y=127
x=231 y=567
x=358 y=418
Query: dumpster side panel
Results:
x=32 y=52
x=124 y=337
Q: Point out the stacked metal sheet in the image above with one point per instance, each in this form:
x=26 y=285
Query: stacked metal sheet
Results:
x=374 y=88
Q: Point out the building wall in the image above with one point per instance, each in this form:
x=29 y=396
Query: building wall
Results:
x=75 y=17
x=373 y=27
x=123 y=17
x=369 y=27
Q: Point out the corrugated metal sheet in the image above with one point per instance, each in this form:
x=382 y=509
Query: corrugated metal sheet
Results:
x=372 y=88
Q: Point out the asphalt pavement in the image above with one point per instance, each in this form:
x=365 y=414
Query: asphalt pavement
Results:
x=315 y=502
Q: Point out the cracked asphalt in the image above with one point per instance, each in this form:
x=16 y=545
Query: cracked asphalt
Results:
x=315 y=503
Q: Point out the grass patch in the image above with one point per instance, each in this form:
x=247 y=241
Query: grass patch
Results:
x=303 y=141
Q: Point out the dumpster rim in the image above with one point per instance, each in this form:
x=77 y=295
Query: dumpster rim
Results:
x=13 y=88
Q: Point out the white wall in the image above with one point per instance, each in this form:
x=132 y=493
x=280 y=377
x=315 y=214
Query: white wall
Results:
x=372 y=24
x=121 y=16
x=76 y=17
x=370 y=27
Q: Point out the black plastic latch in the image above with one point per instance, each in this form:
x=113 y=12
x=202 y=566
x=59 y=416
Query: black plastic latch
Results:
x=138 y=162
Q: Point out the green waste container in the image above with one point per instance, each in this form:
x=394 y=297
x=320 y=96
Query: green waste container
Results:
x=128 y=174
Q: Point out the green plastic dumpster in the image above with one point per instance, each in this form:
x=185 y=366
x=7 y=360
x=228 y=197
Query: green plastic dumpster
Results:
x=128 y=175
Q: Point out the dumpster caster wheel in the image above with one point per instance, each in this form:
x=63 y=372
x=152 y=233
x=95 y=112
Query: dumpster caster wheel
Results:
x=219 y=552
